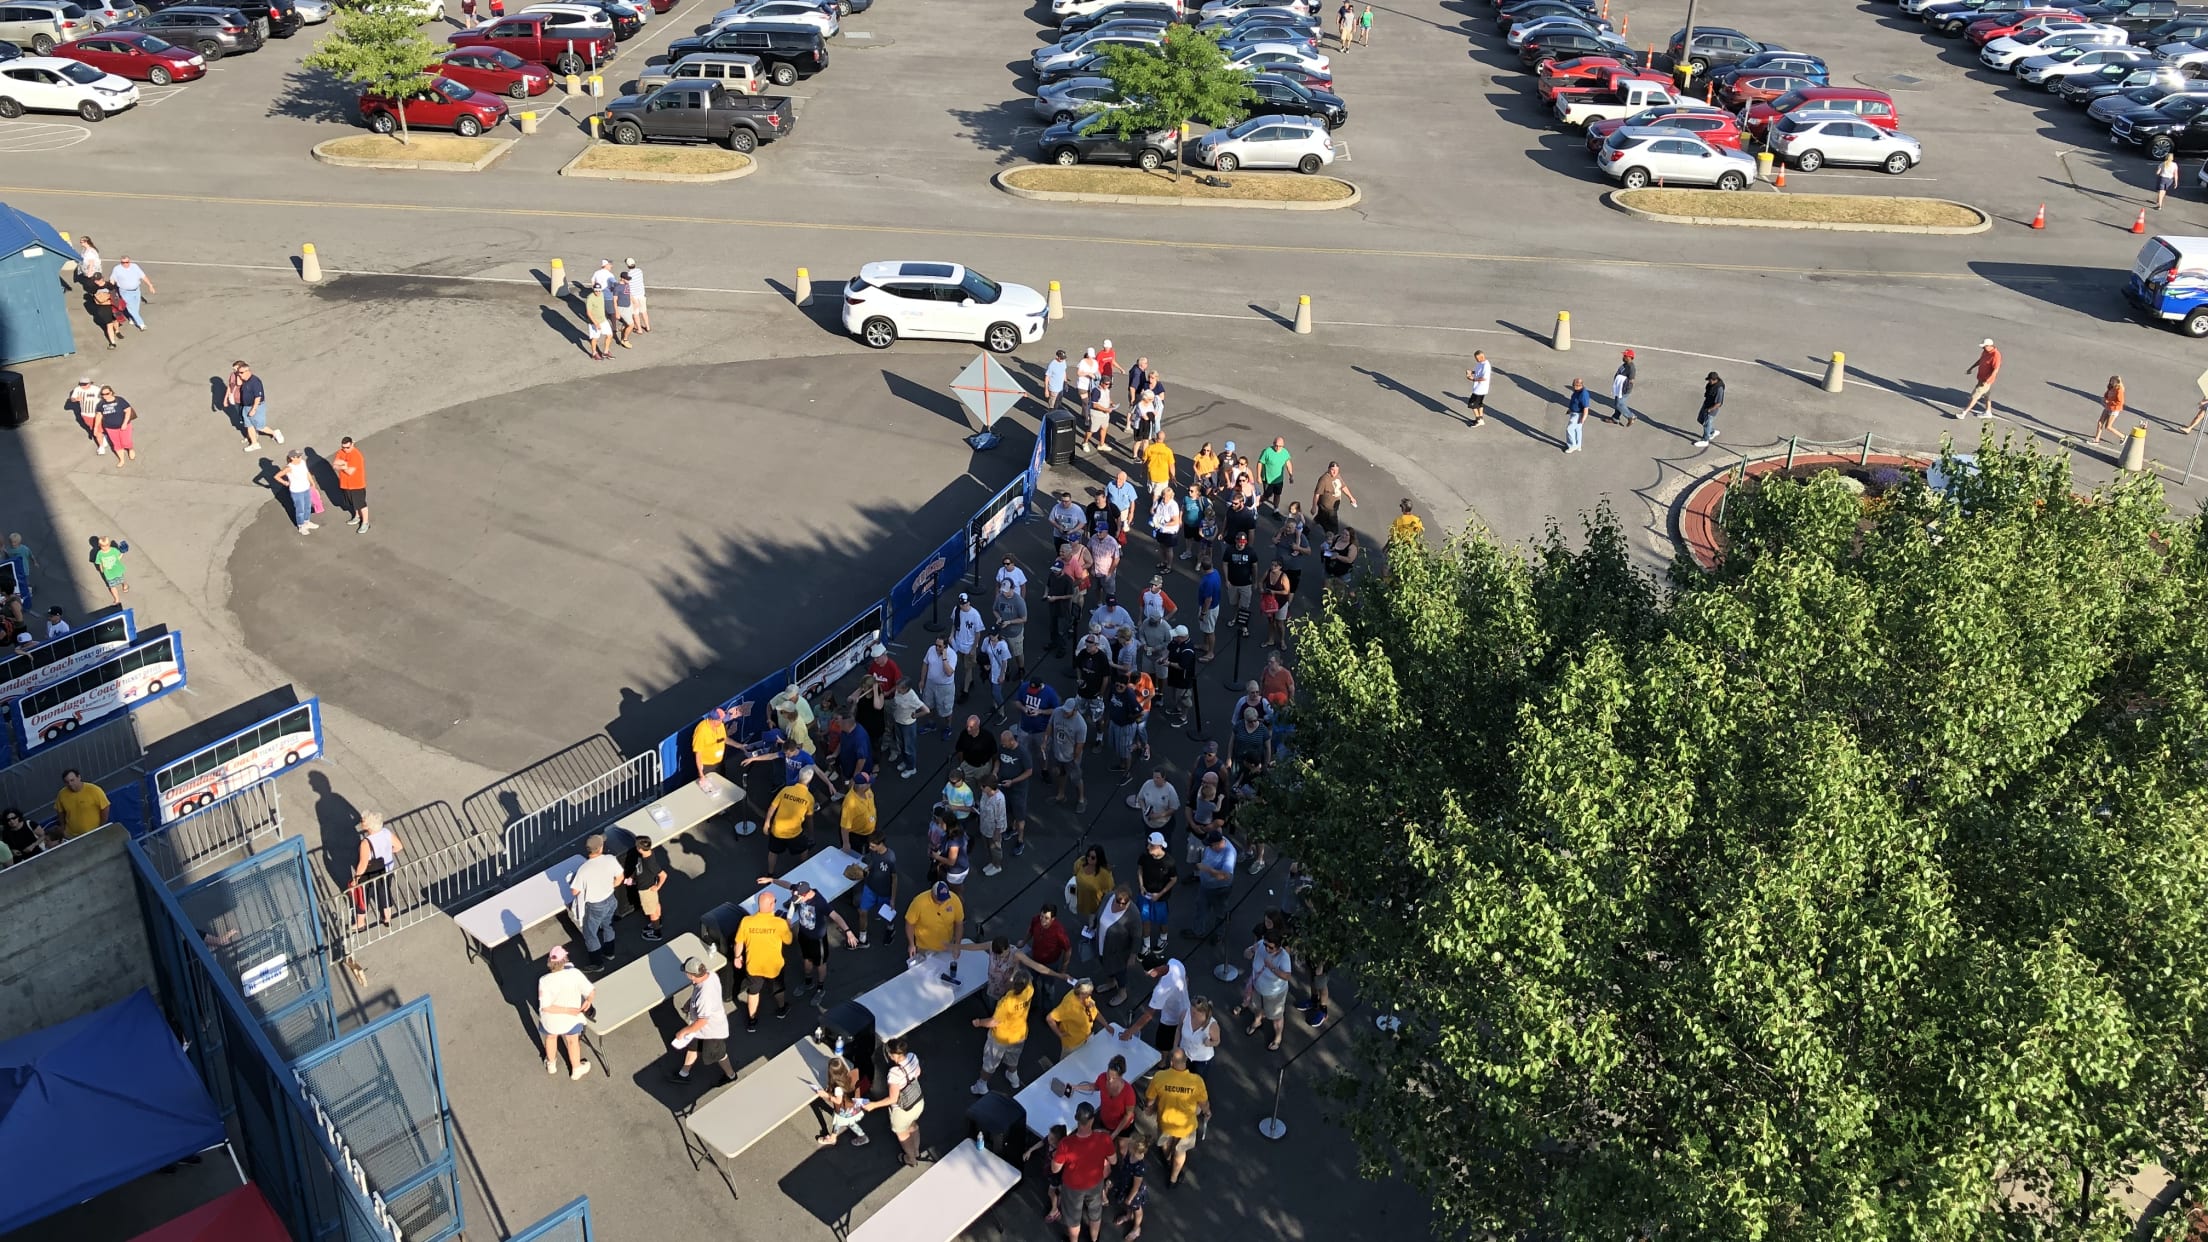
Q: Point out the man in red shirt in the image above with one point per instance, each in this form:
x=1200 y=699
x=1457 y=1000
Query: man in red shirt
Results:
x=1985 y=369
x=1047 y=941
x=1082 y=1160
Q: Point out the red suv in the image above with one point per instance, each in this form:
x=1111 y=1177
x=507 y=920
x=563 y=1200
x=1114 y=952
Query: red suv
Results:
x=136 y=55
x=1871 y=106
x=1719 y=129
x=495 y=70
x=1986 y=29
x=443 y=104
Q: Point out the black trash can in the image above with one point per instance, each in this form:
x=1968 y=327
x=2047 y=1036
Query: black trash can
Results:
x=1001 y=1125
x=717 y=927
x=852 y=1025
x=15 y=405
x=1058 y=449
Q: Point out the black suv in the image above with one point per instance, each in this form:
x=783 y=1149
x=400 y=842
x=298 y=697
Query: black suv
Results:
x=786 y=52
x=270 y=18
x=1275 y=94
x=1715 y=47
x=2184 y=28
x=213 y=31
x=2135 y=15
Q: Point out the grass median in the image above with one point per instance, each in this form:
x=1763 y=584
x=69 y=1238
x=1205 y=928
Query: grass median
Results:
x=1245 y=186
x=424 y=148
x=1804 y=208
x=684 y=161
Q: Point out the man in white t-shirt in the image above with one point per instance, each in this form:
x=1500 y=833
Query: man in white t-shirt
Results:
x=1158 y=801
x=966 y=628
x=1482 y=376
x=635 y=276
x=594 y=884
x=704 y=1036
x=1168 y=1006
x=938 y=684
x=563 y=993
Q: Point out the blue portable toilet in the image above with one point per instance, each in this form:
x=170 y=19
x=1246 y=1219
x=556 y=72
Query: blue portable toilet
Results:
x=34 y=300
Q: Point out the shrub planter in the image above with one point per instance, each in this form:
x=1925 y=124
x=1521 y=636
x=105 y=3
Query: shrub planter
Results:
x=1697 y=524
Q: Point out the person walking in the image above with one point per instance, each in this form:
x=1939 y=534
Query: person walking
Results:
x=648 y=875
x=1007 y=1027
x=84 y=402
x=1054 y=386
x=1182 y=1104
x=467 y=14
x=1016 y=766
x=134 y=287
x=1364 y=26
x=704 y=1036
x=1342 y=19
x=809 y=917
x=1200 y=1037
x=88 y=260
x=1621 y=390
x=1271 y=971
x=1276 y=469
x=1083 y=1163
x=107 y=557
x=1009 y=609
x=298 y=483
x=841 y=1108
x=1713 y=400
x=2112 y=404
x=564 y=994
x=599 y=333
x=352 y=480
x=1482 y=375
x=107 y=313
x=20 y=557
x=1107 y=363
x=379 y=853
x=116 y=417
x=1985 y=371
x=1327 y=498
x=966 y=628
x=757 y=951
x=939 y=685
x=904 y=1099
x=624 y=313
x=594 y=884
x=1576 y=405
x=2165 y=178
x=1069 y=737
x=1214 y=882
x=249 y=406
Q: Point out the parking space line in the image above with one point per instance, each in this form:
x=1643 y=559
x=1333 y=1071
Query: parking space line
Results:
x=30 y=136
x=1821 y=174
x=972 y=234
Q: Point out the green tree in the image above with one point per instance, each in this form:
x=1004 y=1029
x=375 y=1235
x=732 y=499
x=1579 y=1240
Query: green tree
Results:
x=1184 y=78
x=1852 y=891
x=380 y=50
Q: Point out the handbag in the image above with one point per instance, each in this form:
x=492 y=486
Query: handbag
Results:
x=908 y=1096
x=316 y=505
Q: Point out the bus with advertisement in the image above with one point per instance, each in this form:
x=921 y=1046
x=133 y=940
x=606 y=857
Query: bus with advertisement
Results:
x=56 y=658
x=238 y=762
x=123 y=682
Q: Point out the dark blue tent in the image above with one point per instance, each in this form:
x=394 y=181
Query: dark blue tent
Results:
x=94 y=1103
x=34 y=303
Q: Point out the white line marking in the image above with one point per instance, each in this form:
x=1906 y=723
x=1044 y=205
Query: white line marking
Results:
x=1821 y=175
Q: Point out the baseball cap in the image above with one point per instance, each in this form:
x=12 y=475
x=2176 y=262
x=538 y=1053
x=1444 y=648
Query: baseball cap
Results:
x=801 y=887
x=84 y=379
x=1157 y=839
x=628 y=263
x=1211 y=748
x=1986 y=344
x=1230 y=446
x=1629 y=353
x=942 y=891
x=863 y=778
x=720 y=713
x=962 y=597
x=1250 y=687
x=1214 y=837
x=877 y=651
x=1111 y=599
x=558 y=953
x=1180 y=631
x=693 y=966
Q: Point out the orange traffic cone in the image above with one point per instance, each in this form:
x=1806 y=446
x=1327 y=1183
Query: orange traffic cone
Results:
x=2140 y=225
x=1778 y=177
x=2039 y=219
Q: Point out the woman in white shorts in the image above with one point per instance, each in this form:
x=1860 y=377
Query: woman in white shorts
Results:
x=904 y=1101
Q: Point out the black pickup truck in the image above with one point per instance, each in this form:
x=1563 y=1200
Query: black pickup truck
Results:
x=688 y=111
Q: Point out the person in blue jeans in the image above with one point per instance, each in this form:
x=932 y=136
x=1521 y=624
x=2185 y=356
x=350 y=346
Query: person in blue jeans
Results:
x=1575 y=414
x=298 y=482
x=1214 y=884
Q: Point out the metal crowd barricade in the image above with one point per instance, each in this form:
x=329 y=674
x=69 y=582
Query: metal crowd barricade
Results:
x=210 y=836
x=419 y=889
x=595 y=803
x=569 y=1224
x=260 y=919
x=381 y=1092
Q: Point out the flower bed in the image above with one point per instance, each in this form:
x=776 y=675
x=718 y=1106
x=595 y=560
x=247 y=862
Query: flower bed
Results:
x=1698 y=530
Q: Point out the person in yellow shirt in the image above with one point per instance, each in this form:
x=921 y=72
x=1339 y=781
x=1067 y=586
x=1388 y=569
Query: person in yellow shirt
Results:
x=760 y=939
x=1158 y=460
x=1074 y=1018
x=858 y=812
x=1007 y=1029
x=1406 y=527
x=1206 y=463
x=709 y=742
x=787 y=816
x=83 y=805
x=1180 y=1100
x=933 y=923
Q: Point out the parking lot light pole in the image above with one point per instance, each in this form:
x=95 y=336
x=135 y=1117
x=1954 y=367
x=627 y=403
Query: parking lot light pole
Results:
x=1686 y=41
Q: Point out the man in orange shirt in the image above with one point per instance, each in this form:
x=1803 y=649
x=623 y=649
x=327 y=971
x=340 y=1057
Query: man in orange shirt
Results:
x=352 y=479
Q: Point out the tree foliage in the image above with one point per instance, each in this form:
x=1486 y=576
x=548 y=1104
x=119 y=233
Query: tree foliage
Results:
x=378 y=49
x=1184 y=78
x=1851 y=891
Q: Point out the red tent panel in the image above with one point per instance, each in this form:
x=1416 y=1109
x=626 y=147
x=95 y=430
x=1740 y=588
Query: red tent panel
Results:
x=243 y=1215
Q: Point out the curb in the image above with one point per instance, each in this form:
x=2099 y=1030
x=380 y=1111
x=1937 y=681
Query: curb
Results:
x=1985 y=221
x=1694 y=526
x=1356 y=196
x=750 y=166
x=499 y=147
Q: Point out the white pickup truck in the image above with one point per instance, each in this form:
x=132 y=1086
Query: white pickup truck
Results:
x=1624 y=100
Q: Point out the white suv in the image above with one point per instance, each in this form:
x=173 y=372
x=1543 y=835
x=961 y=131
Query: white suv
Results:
x=53 y=84
x=1809 y=140
x=794 y=12
x=940 y=301
x=1637 y=156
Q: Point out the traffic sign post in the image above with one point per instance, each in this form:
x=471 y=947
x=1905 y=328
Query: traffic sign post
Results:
x=988 y=392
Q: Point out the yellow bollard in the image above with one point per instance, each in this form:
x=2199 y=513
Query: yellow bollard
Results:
x=528 y=121
x=1057 y=302
x=2135 y=450
x=1836 y=372
x=558 y=279
x=594 y=122
x=804 y=288
x=1562 y=339
x=574 y=84
x=1303 y=314
x=597 y=84
x=310 y=264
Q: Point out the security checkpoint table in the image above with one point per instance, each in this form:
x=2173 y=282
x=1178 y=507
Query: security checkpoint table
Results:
x=1046 y=1108
x=755 y=1107
x=824 y=871
x=538 y=899
x=631 y=992
x=942 y=1202
x=688 y=806
x=919 y=994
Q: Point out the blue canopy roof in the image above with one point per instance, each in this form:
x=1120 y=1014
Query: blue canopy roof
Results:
x=19 y=231
x=94 y=1103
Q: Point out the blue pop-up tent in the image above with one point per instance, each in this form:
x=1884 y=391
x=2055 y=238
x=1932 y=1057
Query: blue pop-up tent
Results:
x=94 y=1103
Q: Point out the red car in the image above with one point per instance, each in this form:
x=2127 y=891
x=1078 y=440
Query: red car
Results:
x=136 y=55
x=1986 y=29
x=1759 y=88
x=495 y=70
x=1579 y=70
x=1606 y=82
x=443 y=104
x=1719 y=129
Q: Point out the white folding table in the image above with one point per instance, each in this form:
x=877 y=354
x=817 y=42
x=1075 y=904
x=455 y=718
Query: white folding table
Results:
x=758 y=1104
x=903 y=1003
x=688 y=806
x=630 y=992
x=510 y=914
x=824 y=871
x=1040 y=1100
x=939 y=1204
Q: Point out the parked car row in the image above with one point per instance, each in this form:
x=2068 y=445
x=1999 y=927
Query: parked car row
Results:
x=1646 y=125
x=710 y=87
x=1289 y=117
